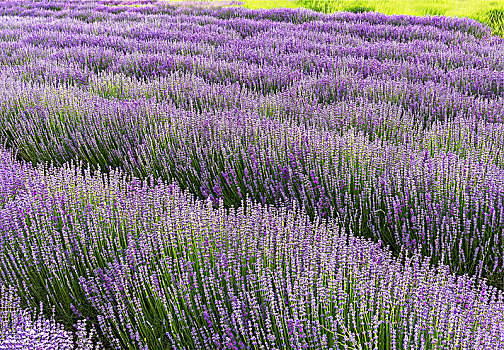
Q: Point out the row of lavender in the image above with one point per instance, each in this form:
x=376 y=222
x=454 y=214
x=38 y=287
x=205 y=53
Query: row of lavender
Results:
x=390 y=125
x=153 y=268
x=260 y=54
x=445 y=198
x=395 y=129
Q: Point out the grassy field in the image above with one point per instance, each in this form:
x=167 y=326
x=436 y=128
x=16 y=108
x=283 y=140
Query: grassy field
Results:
x=490 y=12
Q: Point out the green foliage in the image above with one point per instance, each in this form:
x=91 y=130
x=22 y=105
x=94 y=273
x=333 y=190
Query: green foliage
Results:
x=495 y=19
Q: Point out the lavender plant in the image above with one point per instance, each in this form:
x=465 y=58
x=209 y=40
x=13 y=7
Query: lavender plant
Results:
x=18 y=329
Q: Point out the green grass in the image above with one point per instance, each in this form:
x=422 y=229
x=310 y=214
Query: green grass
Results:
x=490 y=12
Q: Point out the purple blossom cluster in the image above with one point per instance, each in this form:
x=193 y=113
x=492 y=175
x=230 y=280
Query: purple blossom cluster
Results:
x=155 y=268
x=238 y=156
x=18 y=330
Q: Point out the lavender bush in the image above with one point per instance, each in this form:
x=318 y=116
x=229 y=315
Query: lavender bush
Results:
x=196 y=177
x=19 y=331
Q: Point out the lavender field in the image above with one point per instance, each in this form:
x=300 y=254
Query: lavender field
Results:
x=213 y=177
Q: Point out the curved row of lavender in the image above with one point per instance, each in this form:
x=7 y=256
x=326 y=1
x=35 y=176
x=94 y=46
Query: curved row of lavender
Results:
x=151 y=267
x=392 y=124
